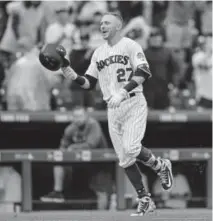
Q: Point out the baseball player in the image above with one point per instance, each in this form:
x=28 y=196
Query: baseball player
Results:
x=121 y=68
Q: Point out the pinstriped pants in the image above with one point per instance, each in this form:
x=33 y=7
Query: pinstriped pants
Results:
x=127 y=125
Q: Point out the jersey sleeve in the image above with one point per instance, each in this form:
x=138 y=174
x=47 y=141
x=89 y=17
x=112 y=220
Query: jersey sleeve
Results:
x=137 y=56
x=92 y=69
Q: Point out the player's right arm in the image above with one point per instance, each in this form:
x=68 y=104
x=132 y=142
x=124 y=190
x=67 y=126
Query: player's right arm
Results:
x=89 y=80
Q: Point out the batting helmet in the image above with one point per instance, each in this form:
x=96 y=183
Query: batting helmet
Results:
x=49 y=57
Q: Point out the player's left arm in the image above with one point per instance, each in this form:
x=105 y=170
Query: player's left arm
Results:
x=89 y=80
x=140 y=67
x=141 y=74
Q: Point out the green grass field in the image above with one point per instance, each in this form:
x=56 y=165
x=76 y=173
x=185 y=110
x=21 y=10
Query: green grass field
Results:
x=158 y=215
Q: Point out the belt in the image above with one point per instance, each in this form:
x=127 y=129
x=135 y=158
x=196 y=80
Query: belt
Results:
x=132 y=94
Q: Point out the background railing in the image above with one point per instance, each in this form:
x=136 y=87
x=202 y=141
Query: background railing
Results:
x=31 y=139
x=56 y=116
x=27 y=157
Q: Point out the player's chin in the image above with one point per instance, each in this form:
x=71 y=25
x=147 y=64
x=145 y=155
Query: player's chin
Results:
x=105 y=36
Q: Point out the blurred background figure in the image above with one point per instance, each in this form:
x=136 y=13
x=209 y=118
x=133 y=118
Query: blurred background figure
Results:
x=62 y=30
x=96 y=38
x=28 y=84
x=61 y=95
x=102 y=184
x=86 y=9
x=88 y=15
x=178 y=196
x=181 y=30
x=136 y=26
x=2 y=73
x=84 y=133
x=206 y=18
x=3 y=18
x=51 y=7
x=164 y=68
x=159 y=10
x=202 y=73
x=10 y=189
x=80 y=59
x=25 y=21
x=6 y=60
x=180 y=24
x=75 y=25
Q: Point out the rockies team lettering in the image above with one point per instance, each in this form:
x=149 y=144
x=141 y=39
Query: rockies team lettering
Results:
x=119 y=59
x=115 y=66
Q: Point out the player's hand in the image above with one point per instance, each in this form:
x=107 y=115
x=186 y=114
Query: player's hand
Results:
x=62 y=52
x=68 y=72
x=117 y=98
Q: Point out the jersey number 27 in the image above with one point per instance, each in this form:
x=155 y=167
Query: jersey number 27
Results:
x=122 y=74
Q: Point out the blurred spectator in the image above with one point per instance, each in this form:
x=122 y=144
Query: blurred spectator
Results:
x=202 y=64
x=206 y=18
x=102 y=184
x=80 y=60
x=84 y=28
x=2 y=73
x=3 y=18
x=51 y=7
x=96 y=38
x=84 y=133
x=179 y=23
x=28 y=83
x=113 y=6
x=181 y=32
x=6 y=59
x=178 y=196
x=164 y=68
x=25 y=21
x=61 y=31
x=159 y=9
x=62 y=95
x=86 y=9
x=129 y=9
x=10 y=189
x=88 y=20
x=138 y=30
x=136 y=27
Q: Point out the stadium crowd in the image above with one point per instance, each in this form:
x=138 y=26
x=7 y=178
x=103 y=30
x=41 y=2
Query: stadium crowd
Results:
x=176 y=37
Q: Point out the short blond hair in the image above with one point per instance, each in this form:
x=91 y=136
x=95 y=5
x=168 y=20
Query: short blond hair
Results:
x=116 y=14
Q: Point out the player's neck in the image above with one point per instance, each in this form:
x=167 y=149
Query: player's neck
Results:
x=114 y=40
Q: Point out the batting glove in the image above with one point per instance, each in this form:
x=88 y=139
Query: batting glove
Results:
x=62 y=52
x=117 y=98
x=68 y=72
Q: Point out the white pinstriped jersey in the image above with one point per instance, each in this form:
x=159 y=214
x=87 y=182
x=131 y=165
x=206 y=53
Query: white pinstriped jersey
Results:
x=114 y=65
